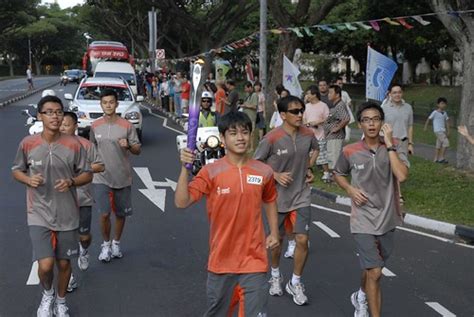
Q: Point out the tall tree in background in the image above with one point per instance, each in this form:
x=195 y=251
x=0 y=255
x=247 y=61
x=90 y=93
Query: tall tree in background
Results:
x=461 y=29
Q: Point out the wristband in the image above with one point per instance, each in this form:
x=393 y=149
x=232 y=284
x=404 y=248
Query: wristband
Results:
x=391 y=148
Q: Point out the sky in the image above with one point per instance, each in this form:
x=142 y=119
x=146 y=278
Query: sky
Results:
x=64 y=3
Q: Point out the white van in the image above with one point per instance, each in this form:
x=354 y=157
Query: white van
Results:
x=119 y=70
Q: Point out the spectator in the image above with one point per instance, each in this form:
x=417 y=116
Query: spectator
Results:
x=440 y=128
x=232 y=98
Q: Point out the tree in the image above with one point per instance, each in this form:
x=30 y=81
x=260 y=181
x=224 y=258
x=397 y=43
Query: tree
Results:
x=461 y=29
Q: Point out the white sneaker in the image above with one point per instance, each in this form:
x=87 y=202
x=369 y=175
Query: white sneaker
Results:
x=275 y=286
x=83 y=260
x=72 y=285
x=326 y=177
x=45 y=308
x=361 y=309
x=297 y=291
x=61 y=310
x=290 y=251
x=116 y=253
x=105 y=252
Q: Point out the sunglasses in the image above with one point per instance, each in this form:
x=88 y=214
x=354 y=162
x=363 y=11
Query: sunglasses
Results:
x=296 y=111
x=206 y=100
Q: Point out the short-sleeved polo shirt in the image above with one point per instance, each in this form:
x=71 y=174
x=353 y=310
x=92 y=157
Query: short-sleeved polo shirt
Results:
x=285 y=154
x=235 y=198
x=371 y=172
x=399 y=117
x=62 y=159
x=106 y=135
x=84 y=193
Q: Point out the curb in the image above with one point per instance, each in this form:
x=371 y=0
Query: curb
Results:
x=464 y=232
x=29 y=93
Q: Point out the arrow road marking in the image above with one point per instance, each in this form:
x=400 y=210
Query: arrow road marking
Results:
x=33 y=279
x=326 y=229
x=440 y=309
x=155 y=195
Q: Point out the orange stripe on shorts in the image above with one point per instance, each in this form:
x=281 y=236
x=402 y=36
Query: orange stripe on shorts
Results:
x=237 y=298
x=54 y=239
x=289 y=222
x=112 y=201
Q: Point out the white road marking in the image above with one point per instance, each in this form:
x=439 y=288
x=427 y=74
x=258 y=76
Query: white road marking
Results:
x=326 y=229
x=388 y=273
x=156 y=196
x=344 y=213
x=440 y=309
x=165 y=121
x=33 y=278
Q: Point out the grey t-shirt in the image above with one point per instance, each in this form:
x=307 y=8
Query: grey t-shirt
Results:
x=84 y=193
x=399 y=117
x=371 y=172
x=232 y=99
x=283 y=154
x=63 y=159
x=106 y=135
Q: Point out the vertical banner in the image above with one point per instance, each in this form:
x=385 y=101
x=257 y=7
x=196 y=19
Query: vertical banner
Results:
x=290 y=78
x=249 y=71
x=379 y=74
x=222 y=68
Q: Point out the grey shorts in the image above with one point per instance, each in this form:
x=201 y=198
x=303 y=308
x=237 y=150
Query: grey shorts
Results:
x=334 y=150
x=47 y=243
x=85 y=217
x=228 y=292
x=295 y=221
x=323 y=153
x=118 y=200
x=441 y=140
x=373 y=250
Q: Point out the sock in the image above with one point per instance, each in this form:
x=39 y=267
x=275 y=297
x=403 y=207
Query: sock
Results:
x=82 y=250
x=49 y=292
x=108 y=243
x=276 y=272
x=61 y=300
x=295 y=279
x=361 y=295
x=291 y=243
x=115 y=241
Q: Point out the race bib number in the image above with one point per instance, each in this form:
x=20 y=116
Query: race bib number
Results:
x=254 y=179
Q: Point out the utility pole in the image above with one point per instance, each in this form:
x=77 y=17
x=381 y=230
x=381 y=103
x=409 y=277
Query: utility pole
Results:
x=262 y=67
x=29 y=52
x=152 y=41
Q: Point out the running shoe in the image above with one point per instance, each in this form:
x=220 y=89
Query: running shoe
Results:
x=290 y=251
x=275 y=286
x=297 y=291
x=83 y=260
x=61 y=310
x=105 y=252
x=361 y=309
x=116 y=253
x=72 y=285
x=45 y=308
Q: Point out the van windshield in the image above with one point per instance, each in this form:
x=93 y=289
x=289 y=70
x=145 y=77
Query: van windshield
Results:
x=93 y=93
x=130 y=78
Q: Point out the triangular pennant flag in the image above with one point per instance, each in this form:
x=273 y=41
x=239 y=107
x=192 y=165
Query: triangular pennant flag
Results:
x=363 y=25
x=340 y=27
x=326 y=28
x=389 y=21
x=405 y=23
x=308 y=31
x=351 y=27
x=375 y=25
x=297 y=32
x=276 y=31
x=420 y=20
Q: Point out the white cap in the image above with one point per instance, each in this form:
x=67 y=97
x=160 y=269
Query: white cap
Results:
x=206 y=94
x=48 y=92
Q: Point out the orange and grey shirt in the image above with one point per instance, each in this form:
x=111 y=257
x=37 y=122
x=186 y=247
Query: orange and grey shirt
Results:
x=106 y=135
x=235 y=197
x=84 y=193
x=285 y=154
x=371 y=172
x=63 y=159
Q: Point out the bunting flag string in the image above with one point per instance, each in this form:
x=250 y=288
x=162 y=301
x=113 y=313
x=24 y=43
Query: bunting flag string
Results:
x=374 y=24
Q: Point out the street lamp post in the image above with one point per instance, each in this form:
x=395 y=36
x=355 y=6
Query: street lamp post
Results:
x=88 y=37
x=29 y=51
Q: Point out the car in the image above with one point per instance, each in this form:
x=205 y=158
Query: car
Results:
x=73 y=75
x=86 y=103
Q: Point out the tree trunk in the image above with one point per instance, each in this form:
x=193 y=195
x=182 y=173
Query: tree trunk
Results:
x=10 y=64
x=287 y=44
x=38 y=67
x=465 y=151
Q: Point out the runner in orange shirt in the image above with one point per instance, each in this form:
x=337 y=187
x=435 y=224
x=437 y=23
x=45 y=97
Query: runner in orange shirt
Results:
x=236 y=188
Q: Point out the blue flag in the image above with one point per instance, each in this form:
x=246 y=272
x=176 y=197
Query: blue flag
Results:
x=379 y=74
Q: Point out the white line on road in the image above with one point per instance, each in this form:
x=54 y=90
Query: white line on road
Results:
x=440 y=309
x=165 y=121
x=344 y=213
x=388 y=273
x=326 y=229
x=33 y=279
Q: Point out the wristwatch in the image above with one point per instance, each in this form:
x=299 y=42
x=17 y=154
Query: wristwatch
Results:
x=391 y=148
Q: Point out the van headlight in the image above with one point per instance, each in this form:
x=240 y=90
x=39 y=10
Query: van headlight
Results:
x=134 y=115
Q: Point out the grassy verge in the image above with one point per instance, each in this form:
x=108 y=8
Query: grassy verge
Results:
x=435 y=191
x=428 y=137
